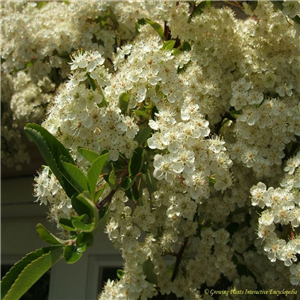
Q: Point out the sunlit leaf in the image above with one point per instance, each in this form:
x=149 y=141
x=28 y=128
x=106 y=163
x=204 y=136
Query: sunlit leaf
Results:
x=47 y=236
x=27 y=271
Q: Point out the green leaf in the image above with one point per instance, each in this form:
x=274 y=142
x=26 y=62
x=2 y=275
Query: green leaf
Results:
x=244 y=270
x=85 y=238
x=176 y=51
x=150 y=182
x=154 y=25
x=102 y=222
x=112 y=180
x=234 y=259
x=86 y=227
x=211 y=181
x=80 y=224
x=47 y=236
x=135 y=194
x=186 y=46
x=136 y=162
x=120 y=273
x=113 y=17
x=126 y=183
x=52 y=150
x=71 y=255
x=148 y=269
x=27 y=271
x=80 y=207
x=41 y=4
x=102 y=20
x=91 y=211
x=92 y=82
x=123 y=102
x=90 y=155
x=170 y=270
x=199 y=9
x=143 y=135
x=66 y=224
x=139 y=190
x=168 y=45
x=99 y=192
x=142 y=113
x=94 y=172
x=253 y=5
x=76 y=177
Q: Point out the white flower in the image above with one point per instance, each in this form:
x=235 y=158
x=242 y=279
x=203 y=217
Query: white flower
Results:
x=258 y=193
x=291 y=8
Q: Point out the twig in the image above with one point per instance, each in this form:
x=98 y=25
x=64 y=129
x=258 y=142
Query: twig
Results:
x=179 y=258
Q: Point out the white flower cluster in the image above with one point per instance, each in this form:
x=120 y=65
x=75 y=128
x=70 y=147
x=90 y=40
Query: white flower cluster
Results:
x=222 y=114
x=48 y=191
x=36 y=41
x=77 y=115
x=281 y=208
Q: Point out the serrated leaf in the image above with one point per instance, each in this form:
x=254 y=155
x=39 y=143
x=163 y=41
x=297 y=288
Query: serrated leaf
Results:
x=47 y=236
x=168 y=45
x=148 y=269
x=94 y=172
x=71 y=255
x=27 y=271
x=52 y=150
x=90 y=155
x=76 y=177
x=123 y=102
x=136 y=162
